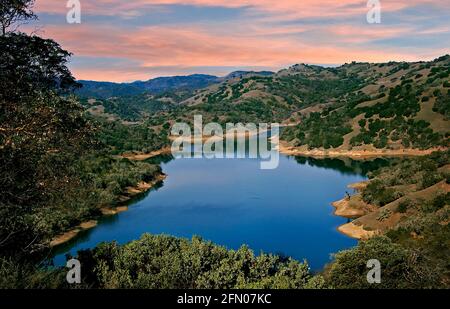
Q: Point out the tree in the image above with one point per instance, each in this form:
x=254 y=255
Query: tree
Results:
x=400 y=267
x=15 y=12
x=165 y=262
x=42 y=133
x=31 y=65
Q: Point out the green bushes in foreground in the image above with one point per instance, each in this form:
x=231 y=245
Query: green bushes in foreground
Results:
x=164 y=262
x=160 y=262
x=400 y=267
x=22 y=274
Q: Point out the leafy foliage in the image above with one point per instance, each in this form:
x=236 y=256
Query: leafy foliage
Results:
x=317 y=131
x=377 y=193
x=122 y=138
x=160 y=262
x=401 y=267
x=442 y=105
x=41 y=135
x=15 y=12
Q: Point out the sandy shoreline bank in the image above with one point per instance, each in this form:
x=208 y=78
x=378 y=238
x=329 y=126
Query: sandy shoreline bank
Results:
x=145 y=156
x=355 y=231
x=286 y=149
x=352 y=208
x=128 y=194
x=344 y=209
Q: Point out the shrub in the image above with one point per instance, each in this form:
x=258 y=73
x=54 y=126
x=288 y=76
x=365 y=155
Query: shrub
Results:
x=403 y=206
x=384 y=215
x=430 y=178
x=441 y=200
x=378 y=194
x=349 y=271
x=160 y=262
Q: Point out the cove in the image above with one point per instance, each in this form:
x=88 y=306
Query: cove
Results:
x=283 y=211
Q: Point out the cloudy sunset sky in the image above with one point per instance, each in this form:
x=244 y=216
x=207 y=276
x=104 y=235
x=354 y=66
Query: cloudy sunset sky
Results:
x=120 y=40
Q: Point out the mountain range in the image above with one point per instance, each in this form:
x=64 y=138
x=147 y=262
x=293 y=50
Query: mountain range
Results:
x=157 y=86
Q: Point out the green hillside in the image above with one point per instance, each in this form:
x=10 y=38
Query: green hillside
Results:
x=357 y=106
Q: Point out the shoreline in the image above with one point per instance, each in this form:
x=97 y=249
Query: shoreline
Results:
x=137 y=156
x=345 y=208
x=126 y=196
x=367 y=224
x=356 y=231
x=342 y=207
x=286 y=149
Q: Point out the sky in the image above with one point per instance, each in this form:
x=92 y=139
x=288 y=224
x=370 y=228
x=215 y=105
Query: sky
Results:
x=127 y=40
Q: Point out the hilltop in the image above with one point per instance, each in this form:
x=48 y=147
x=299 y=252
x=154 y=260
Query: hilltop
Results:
x=400 y=106
x=157 y=86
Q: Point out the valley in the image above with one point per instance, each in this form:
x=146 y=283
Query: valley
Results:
x=88 y=172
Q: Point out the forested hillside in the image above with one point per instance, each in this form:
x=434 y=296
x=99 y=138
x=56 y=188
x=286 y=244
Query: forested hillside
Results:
x=58 y=166
x=401 y=106
x=357 y=106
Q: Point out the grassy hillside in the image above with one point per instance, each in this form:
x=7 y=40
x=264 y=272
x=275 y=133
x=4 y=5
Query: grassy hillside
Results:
x=357 y=106
x=402 y=105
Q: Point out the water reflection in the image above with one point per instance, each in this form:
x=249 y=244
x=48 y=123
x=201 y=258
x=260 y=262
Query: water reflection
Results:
x=346 y=166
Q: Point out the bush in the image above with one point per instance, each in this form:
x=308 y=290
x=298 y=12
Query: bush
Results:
x=378 y=194
x=362 y=123
x=430 y=178
x=401 y=268
x=403 y=206
x=384 y=215
x=437 y=203
x=16 y=274
x=163 y=262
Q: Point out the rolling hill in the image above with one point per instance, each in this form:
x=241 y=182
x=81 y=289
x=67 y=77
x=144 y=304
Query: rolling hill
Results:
x=354 y=107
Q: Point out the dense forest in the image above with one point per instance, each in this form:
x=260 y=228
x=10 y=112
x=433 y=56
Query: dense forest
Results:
x=60 y=163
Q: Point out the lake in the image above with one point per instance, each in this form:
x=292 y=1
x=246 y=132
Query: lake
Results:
x=233 y=202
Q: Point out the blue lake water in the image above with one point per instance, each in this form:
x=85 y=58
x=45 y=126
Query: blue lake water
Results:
x=233 y=202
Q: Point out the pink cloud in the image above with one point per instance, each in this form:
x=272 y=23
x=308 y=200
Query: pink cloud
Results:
x=293 y=8
x=260 y=39
x=158 y=46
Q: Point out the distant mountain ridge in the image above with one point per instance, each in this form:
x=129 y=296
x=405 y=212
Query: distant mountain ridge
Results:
x=163 y=84
x=104 y=90
x=156 y=86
